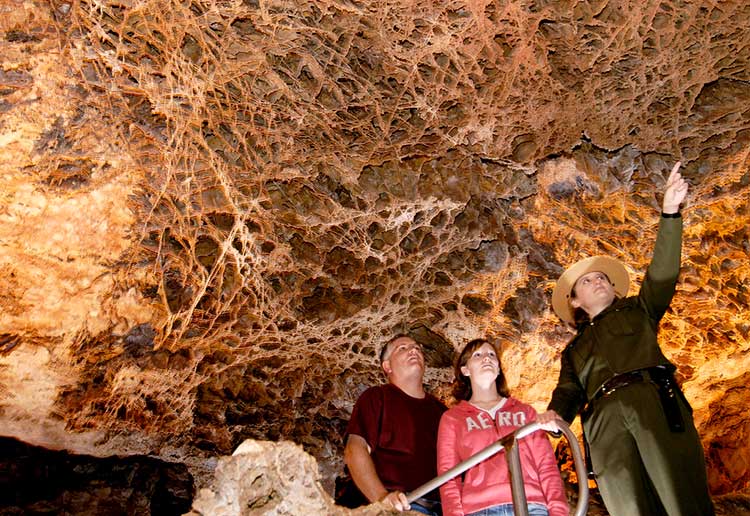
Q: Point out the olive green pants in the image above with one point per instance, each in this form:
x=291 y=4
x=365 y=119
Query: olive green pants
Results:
x=643 y=468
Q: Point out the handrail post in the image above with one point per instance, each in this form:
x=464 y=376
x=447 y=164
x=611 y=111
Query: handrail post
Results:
x=520 y=507
x=517 y=489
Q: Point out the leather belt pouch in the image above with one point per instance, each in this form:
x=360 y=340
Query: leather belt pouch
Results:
x=668 y=394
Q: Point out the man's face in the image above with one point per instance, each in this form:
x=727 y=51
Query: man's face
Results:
x=593 y=291
x=404 y=355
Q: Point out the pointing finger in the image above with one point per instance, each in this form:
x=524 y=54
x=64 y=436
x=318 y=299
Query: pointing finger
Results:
x=673 y=174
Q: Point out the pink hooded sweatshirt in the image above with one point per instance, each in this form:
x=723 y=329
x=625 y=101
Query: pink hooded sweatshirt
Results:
x=465 y=430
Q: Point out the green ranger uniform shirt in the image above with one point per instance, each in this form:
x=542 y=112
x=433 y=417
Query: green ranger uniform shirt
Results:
x=622 y=337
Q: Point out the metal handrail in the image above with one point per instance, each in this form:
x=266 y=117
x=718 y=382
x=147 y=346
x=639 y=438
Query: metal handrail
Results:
x=509 y=444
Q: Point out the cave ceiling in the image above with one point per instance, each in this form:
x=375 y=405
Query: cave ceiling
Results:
x=214 y=213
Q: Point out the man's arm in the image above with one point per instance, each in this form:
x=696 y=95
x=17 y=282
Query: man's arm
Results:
x=358 y=460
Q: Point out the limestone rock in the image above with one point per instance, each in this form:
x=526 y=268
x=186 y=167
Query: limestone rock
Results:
x=267 y=478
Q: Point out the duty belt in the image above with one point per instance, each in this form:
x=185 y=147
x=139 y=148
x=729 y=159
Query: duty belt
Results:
x=619 y=381
x=661 y=377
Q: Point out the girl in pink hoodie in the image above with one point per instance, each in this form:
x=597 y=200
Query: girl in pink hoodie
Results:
x=485 y=414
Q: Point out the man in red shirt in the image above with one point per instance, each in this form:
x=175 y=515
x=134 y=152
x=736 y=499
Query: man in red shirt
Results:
x=391 y=439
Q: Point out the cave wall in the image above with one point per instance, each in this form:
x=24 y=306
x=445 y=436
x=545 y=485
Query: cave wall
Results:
x=214 y=213
x=35 y=480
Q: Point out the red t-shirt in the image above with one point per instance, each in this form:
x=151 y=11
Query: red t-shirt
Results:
x=401 y=432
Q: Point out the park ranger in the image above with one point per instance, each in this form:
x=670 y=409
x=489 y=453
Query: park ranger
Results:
x=644 y=449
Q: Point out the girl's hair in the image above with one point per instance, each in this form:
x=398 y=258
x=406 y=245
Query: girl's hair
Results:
x=462 y=384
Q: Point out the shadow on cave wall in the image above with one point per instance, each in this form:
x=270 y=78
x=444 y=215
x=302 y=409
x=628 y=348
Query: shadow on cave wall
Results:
x=34 y=480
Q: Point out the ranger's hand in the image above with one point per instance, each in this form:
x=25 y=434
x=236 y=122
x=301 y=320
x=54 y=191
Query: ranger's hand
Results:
x=548 y=421
x=675 y=191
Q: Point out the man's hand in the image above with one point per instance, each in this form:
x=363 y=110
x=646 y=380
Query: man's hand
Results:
x=397 y=500
x=675 y=191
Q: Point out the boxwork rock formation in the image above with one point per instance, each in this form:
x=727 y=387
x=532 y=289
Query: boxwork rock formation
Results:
x=214 y=213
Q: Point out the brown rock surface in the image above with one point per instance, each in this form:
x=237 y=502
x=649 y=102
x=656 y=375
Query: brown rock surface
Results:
x=263 y=477
x=213 y=213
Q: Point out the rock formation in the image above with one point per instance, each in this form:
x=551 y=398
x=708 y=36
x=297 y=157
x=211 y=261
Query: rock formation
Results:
x=214 y=212
x=262 y=477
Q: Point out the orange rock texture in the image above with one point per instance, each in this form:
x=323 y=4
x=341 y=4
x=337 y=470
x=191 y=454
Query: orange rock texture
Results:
x=215 y=212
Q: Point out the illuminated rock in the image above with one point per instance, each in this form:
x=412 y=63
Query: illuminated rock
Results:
x=214 y=213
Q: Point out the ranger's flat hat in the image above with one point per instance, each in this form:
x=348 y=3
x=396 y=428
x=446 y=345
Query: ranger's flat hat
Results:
x=614 y=270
